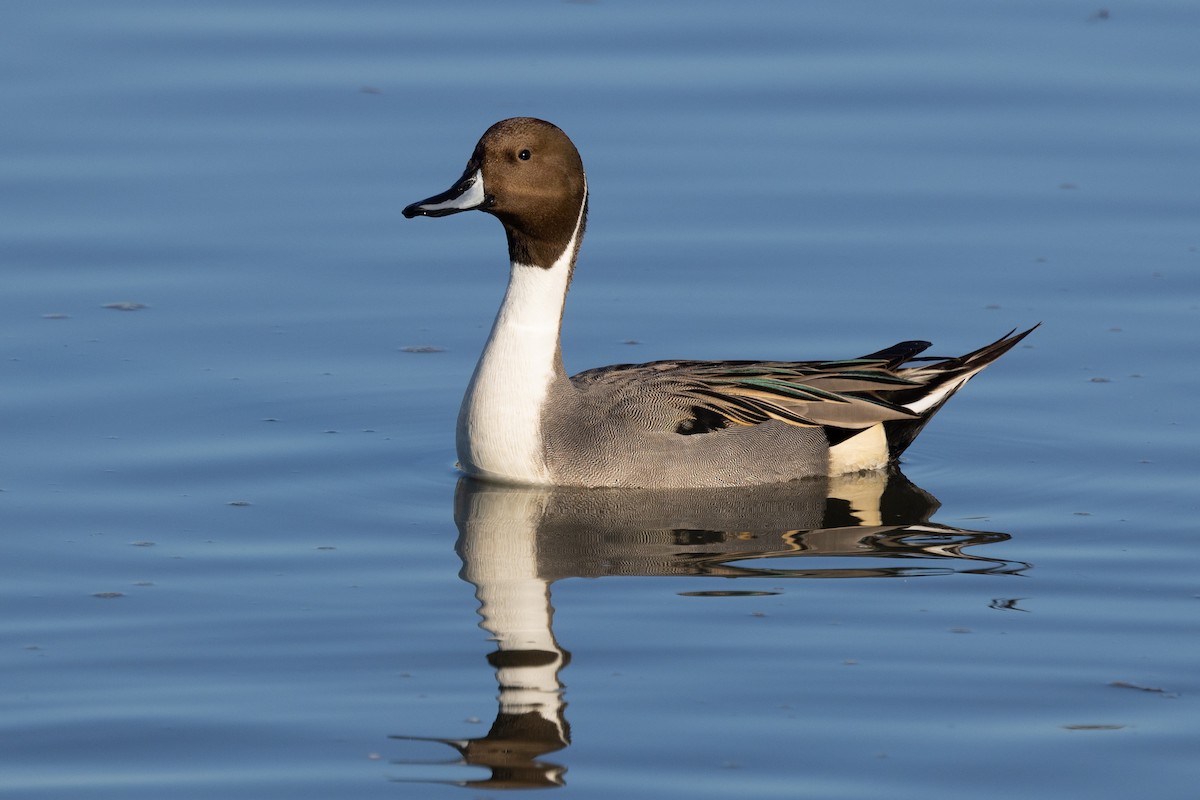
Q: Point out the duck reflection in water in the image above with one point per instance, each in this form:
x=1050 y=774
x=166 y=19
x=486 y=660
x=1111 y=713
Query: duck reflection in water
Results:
x=515 y=542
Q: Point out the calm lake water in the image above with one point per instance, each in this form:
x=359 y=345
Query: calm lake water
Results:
x=237 y=560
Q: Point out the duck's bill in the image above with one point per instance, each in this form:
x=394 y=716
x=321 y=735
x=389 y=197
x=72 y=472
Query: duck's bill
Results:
x=466 y=195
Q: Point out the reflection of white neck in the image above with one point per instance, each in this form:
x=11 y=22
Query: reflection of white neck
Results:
x=499 y=553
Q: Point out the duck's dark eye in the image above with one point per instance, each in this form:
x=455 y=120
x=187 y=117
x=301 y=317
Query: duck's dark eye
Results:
x=524 y=155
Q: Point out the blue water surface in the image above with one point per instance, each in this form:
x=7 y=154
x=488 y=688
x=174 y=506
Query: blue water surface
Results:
x=237 y=560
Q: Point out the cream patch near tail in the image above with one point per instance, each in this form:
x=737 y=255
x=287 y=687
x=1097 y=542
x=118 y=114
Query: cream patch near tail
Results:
x=867 y=449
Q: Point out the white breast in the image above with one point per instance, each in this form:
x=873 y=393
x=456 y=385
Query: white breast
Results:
x=499 y=425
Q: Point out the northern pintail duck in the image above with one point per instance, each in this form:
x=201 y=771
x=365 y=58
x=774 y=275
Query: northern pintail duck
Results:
x=664 y=424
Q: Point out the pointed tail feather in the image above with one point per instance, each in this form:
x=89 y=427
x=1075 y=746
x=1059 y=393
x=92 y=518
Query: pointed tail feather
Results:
x=941 y=379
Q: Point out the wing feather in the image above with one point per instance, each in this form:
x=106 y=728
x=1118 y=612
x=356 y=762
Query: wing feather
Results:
x=848 y=393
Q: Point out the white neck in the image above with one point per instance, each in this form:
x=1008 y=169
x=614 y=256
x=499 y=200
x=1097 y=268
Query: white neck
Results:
x=499 y=424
